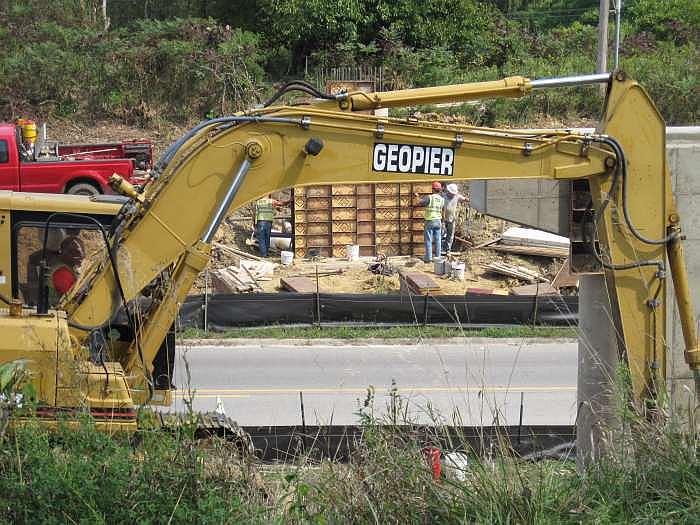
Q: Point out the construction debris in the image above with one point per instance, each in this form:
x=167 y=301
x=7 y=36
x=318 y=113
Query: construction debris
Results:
x=299 y=285
x=531 y=250
x=526 y=241
x=236 y=251
x=381 y=266
x=337 y=275
x=564 y=278
x=535 y=289
x=519 y=272
x=260 y=268
x=234 y=280
x=418 y=283
x=529 y=237
x=246 y=277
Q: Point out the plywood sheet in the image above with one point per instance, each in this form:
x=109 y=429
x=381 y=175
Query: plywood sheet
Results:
x=298 y=284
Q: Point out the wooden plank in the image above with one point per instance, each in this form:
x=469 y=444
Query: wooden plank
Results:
x=480 y=291
x=226 y=280
x=238 y=252
x=420 y=280
x=530 y=250
x=251 y=277
x=406 y=288
x=519 y=272
x=564 y=278
x=299 y=284
x=535 y=289
x=486 y=243
x=324 y=273
x=419 y=283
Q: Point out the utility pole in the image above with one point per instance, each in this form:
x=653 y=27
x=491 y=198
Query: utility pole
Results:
x=602 y=62
x=105 y=19
x=618 y=22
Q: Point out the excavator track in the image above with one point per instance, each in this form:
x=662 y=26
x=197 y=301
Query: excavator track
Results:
x=204 y=425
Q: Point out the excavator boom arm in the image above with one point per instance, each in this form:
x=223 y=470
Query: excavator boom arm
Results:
x=228 y=162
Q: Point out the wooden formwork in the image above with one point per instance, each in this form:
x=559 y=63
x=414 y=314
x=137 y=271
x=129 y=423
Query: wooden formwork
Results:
x=380 y=218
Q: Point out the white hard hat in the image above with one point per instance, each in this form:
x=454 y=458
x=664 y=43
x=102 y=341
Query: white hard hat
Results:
x=452 y=189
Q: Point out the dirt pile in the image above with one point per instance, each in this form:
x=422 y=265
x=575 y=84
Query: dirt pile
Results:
x=355 y=277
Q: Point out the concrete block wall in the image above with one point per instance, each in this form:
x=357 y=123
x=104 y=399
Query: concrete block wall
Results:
x=683 y=151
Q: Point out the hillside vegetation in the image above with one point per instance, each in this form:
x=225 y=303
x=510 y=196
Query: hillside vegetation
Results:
x=181 y=60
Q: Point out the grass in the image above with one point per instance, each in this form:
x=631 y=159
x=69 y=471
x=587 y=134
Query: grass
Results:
x=83 y=476
x=382 y=332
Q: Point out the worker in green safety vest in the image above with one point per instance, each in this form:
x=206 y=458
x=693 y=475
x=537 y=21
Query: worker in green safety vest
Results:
x=432 y=222
x=264 y=214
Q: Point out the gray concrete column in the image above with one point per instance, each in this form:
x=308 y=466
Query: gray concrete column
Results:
x=597 y=361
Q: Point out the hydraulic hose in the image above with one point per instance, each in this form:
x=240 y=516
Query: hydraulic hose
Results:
x=175 y=146
x=297 y=85
x=622 y=166
x=599 y=212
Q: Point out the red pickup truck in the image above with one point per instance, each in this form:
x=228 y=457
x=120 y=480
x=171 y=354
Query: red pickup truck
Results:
x=22 y=172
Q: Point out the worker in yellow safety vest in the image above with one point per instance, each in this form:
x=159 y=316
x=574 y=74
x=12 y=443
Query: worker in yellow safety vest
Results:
x=264 y=214
x=432 y=222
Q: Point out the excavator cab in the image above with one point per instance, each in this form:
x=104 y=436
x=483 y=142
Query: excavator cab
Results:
x=71 y=246
x=65 y=235
x=64 y=231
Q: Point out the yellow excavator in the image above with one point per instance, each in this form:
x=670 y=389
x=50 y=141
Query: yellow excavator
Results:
x=104 y=346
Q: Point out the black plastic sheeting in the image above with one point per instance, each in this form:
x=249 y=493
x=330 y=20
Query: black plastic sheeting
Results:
x=231 y=310
x=288 y=444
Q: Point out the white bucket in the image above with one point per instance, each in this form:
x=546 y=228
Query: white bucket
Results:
x=353 y=252
x=281 y=243
x=287 y=258
x=458 y=271
x=439 y=266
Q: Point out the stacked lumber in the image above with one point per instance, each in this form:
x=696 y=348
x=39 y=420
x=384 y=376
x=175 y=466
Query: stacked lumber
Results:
x=262 y=269
x=418 y=283
x=519 y=272
x=529 y=237
x=526 y=241
x=246 y=277
x=531 y=250
x=236 y=280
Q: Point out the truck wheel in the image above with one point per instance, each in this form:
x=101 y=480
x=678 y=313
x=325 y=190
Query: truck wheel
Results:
x=83 y=188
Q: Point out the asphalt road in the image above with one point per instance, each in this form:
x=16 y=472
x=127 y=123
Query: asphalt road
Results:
x=470 y=382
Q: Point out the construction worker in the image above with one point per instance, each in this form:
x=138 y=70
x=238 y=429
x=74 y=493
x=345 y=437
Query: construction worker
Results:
x=432 y=222
x=264 y=213
x=452 y=200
